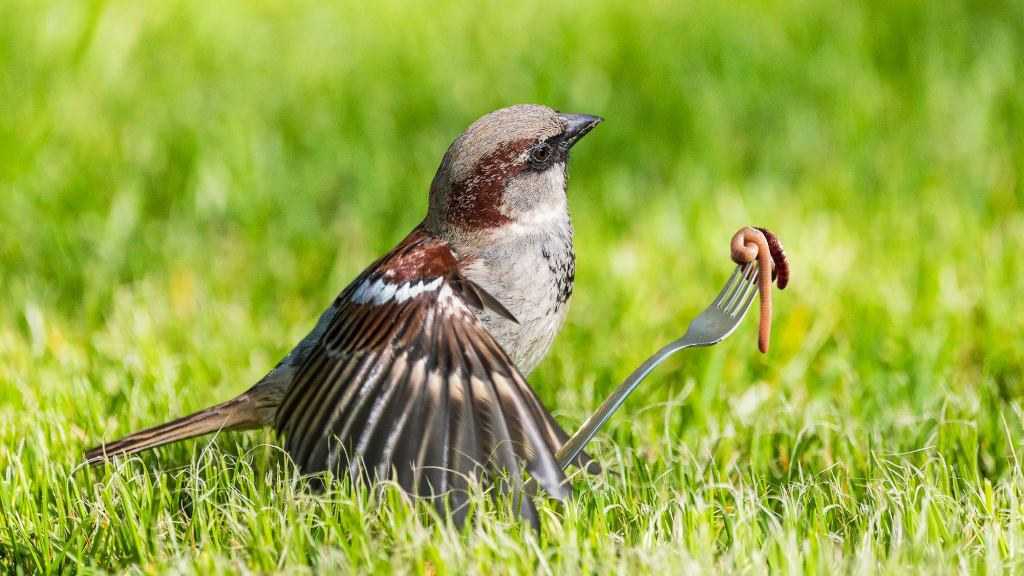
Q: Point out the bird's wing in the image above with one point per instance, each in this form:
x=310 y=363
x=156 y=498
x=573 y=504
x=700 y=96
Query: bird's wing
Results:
x=406 y=383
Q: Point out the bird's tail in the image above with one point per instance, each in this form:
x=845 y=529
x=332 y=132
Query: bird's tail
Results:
x=253 y=409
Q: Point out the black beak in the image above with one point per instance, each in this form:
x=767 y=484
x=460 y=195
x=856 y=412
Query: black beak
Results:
x=576 y=127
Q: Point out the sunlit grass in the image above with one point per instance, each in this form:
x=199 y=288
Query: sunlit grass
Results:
x=184 y=186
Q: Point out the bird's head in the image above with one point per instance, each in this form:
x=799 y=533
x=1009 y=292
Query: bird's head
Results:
x=508 y=167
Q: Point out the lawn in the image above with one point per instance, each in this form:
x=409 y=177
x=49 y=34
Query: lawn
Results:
x=185 y=185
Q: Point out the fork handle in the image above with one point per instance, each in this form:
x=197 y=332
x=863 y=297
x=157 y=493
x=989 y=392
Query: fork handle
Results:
x=572 y=448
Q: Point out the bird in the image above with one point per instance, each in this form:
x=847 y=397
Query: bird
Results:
x=417 y=371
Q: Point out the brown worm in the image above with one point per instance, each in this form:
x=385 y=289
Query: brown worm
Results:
x=778 y=256
x=749 y=244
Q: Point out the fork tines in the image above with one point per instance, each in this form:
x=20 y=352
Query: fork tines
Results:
x=739 y=290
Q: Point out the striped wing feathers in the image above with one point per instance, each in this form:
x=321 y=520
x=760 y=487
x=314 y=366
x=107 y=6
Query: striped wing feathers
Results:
x=407 y=383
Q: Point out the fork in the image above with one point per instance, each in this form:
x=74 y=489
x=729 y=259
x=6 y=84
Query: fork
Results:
x=713 y=325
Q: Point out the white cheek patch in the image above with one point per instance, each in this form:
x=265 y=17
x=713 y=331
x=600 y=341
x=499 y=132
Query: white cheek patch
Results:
x=549 y=203
x=555 y=177
x=380 y=292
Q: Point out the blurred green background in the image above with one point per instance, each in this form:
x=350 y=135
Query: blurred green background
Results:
x=184 y=185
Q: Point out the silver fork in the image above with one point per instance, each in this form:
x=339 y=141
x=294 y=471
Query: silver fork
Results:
x=713 y=325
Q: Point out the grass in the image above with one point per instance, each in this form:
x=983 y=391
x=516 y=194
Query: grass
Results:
x=185 y=185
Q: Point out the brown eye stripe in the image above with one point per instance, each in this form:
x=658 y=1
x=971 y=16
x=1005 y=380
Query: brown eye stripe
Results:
x=749 y=244
x=475 y=199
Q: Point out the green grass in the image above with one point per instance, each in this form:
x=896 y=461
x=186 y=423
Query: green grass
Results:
x=185 y=185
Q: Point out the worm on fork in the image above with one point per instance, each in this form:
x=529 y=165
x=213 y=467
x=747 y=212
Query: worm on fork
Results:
x=749 y=244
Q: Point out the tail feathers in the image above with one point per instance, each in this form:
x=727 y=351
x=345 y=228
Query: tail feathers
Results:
x=237 y=414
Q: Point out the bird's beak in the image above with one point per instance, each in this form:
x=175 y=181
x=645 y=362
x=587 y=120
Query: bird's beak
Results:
x=576 y=127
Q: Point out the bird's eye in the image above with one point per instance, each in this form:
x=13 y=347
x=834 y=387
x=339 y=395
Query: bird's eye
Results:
x=540 y=154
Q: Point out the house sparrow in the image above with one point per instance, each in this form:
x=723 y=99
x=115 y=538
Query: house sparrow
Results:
x=416 y=371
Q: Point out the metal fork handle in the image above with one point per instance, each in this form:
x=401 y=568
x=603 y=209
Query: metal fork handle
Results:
x=572 y=448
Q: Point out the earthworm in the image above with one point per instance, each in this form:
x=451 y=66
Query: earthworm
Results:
x=753 y=243
x=778 y=256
